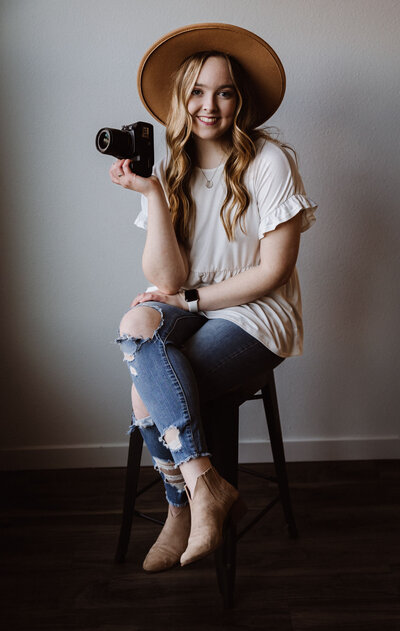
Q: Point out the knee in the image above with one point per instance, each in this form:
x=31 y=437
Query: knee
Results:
x=140 y=322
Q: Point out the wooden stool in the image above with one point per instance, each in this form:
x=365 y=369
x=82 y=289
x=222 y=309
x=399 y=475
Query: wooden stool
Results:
x=222 y=435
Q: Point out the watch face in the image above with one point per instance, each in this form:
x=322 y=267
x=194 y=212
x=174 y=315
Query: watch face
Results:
x=191 y=295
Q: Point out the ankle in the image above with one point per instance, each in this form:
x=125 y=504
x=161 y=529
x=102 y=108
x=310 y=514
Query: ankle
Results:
x=176 y=510
x=192 y=469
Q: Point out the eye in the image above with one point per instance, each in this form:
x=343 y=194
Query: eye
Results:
x=226 y=94
x=196 y=92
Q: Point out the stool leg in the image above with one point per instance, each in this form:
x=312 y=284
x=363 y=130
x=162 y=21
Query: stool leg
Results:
x=131 y=482
x=225 y=565
x=275 y=434
x=222 y=438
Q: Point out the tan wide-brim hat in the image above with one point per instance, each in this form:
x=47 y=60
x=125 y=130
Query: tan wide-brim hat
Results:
x=259 y=61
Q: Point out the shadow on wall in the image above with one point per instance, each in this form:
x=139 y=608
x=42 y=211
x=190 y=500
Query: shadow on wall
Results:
x=65 y=405
x=357 y=264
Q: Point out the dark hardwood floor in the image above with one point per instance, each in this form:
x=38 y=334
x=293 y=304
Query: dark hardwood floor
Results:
x=59 y=532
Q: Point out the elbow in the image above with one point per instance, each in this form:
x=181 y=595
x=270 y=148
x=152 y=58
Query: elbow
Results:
x=285 y=277
x=284 y=270
x=281 y=277
x=169 y=284
x=169 y=290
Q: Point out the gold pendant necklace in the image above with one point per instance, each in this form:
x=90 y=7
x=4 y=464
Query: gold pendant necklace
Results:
x=209 y=182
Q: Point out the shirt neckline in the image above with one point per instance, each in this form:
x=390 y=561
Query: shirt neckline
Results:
x=213 y=169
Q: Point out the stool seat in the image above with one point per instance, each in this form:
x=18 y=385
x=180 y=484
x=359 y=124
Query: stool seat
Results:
x=222 y=436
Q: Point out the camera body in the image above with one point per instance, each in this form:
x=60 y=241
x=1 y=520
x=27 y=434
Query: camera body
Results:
x=133 y=142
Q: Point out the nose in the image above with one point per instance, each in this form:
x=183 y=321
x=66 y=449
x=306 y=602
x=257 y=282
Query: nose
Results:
x=209 y=102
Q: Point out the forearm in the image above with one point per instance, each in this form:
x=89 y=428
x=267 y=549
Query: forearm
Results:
x=241 y=289
x=278 y=255
x=163 y=263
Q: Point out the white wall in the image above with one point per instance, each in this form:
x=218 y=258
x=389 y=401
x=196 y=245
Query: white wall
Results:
x=71 y=255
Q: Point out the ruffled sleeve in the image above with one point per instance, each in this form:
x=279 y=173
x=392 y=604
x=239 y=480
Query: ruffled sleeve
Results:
x=279 y=190
x=141 y=219
x=286 y=211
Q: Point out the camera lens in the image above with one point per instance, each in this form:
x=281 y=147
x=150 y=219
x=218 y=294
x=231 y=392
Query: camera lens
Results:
x=115 y=142
x=103 y=141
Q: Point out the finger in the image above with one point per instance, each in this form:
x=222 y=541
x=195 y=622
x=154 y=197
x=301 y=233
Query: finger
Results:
x=146 y=297
x=151 y=296
x=117 y=166
x=125 y=166
x=136 y=300
x=116 y=171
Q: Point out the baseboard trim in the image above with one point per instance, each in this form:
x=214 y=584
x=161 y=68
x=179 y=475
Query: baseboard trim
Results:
x=115 y=454
x=323 y=449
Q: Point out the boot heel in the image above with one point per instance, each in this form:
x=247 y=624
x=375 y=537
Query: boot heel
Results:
x=238 y=510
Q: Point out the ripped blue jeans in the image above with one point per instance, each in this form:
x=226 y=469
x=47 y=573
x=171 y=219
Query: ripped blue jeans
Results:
x=190 y=360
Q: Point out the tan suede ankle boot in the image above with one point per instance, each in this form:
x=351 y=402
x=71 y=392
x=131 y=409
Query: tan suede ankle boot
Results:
x=214 y=500
x=171 y=542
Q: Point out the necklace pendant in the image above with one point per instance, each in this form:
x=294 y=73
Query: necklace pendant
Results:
x=209 y=184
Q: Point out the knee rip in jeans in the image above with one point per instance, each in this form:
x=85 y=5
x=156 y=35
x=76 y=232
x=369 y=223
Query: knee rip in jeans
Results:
x=171 y=473
x=171 y=438
x=131 y=344
x=142 y=423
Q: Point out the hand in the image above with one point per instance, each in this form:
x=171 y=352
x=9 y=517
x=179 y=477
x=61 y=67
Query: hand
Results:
x=177 y=300
x=122 y=175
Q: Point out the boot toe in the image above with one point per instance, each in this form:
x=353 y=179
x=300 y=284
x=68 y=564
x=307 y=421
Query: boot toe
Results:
x=155 y=562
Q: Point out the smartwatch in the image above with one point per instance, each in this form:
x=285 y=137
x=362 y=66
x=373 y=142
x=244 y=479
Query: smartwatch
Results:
x=192 y=298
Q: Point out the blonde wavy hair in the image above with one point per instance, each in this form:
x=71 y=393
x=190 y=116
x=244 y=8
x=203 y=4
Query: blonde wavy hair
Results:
x=242 y=149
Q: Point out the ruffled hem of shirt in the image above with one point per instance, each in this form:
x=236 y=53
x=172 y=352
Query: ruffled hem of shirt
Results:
x=199 y=278
x=282 y=347
x=287 y=210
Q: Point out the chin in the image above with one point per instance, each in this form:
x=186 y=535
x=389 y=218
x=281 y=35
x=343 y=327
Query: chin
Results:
x=209 y=134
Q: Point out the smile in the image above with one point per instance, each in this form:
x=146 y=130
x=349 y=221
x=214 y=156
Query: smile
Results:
x=208 y=120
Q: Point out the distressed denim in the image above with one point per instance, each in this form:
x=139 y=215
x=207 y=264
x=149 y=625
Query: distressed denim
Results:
x=190 y=360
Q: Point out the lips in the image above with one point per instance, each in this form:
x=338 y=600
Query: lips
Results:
x=208 y=120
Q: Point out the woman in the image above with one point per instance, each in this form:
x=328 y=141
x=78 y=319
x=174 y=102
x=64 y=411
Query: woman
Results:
x=223 y=213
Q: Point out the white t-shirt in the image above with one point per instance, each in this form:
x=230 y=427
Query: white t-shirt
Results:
x=277 y=194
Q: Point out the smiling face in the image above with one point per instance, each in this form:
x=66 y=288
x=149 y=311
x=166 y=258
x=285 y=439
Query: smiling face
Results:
x=213 y=100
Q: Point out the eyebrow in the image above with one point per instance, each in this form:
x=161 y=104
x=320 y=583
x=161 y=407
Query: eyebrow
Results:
x=226 y=85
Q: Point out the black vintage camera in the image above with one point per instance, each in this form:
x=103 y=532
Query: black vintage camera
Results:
x=134 y=142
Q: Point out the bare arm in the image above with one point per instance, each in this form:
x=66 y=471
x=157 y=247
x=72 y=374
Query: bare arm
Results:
x=278 y=254
x=164 y=260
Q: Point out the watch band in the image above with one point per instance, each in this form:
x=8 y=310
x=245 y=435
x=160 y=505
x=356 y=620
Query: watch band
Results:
x=192 y=299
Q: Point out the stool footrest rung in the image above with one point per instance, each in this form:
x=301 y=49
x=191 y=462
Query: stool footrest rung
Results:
x=148 y=517
x=148 y=486
x=256 y=474
x=257 y=518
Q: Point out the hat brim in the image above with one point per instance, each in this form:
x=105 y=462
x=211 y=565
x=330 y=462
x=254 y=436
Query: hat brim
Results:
x=259 y=61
